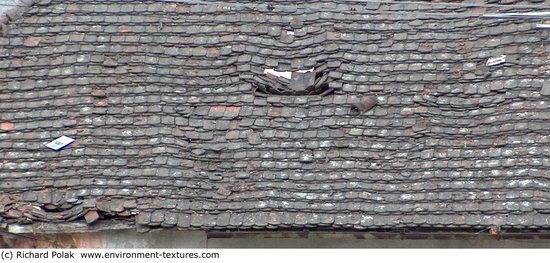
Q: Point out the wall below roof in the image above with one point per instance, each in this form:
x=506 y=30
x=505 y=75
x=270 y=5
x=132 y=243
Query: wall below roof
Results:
x=200 y=239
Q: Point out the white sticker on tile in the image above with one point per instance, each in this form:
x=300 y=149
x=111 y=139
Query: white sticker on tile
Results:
x=60 y=142
x=496 y=60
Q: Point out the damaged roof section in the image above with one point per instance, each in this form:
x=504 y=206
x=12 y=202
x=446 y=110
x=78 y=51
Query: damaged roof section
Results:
x=301 y=82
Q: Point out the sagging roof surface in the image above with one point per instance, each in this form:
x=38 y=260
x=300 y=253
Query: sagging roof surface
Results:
x=169 y=131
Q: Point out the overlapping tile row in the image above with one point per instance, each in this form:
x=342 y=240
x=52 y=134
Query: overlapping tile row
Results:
x=169 y=132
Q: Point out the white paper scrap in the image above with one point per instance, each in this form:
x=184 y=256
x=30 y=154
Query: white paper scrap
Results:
x=60 y=142
x=285 y=74
x=496 y=60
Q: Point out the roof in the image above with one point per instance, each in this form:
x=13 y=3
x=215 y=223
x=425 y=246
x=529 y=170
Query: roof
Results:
x=170 y=133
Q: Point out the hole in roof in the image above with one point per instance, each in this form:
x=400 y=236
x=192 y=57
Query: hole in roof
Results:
x=313 y=81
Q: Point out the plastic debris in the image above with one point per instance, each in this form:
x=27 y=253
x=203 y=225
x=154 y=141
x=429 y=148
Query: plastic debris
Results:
x=518 y=15
x=365 y=105
x=496 y=60
x=542 y=26
x=60 y=143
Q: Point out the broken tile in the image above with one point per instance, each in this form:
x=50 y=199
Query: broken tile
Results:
x=91 y=216
x=302 y=81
